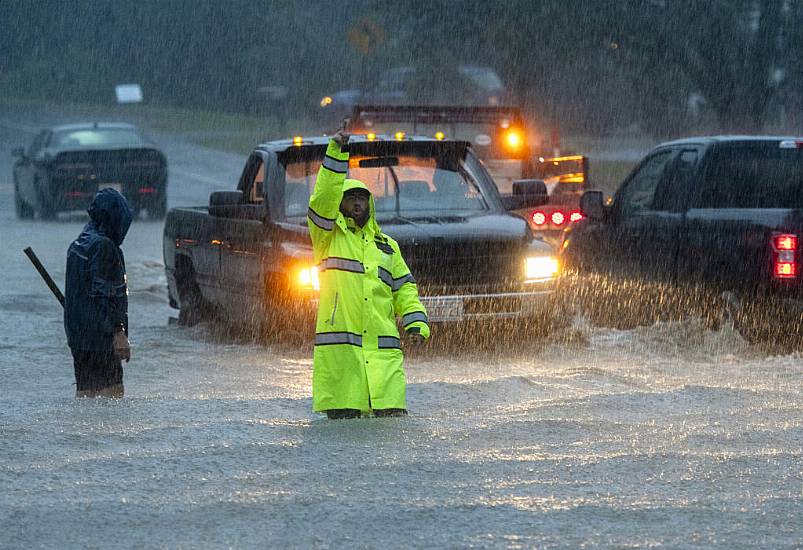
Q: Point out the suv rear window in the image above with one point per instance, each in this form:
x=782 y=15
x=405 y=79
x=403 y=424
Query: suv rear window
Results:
x=753 y=176
x=95 y=137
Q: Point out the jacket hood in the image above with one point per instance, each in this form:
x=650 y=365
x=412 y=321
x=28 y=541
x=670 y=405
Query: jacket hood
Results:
x=350 y=184
x=111 y=214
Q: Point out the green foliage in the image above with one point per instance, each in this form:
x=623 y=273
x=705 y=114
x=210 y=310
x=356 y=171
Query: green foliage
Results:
x=585 y=67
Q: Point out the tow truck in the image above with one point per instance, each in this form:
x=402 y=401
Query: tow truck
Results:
x=510 y=150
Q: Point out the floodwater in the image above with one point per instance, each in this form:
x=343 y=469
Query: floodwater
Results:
x=665 y=436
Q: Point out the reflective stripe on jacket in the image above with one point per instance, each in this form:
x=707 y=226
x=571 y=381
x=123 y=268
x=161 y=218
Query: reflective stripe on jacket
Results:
x=364 y=285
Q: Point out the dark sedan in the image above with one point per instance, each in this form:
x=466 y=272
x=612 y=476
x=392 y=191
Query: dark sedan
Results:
x=65 y=166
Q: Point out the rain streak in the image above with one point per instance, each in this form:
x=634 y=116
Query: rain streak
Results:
x=578 y=223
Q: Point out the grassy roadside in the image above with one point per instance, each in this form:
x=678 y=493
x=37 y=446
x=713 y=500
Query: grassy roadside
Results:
x=606 y=175
x=238 y=133
x=224 y=131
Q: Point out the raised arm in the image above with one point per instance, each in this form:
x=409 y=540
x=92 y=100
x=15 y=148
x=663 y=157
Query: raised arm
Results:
x=324 y=203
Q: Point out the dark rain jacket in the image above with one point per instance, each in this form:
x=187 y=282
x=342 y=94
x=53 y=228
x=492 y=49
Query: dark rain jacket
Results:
x=365 y=285
x=96 y=292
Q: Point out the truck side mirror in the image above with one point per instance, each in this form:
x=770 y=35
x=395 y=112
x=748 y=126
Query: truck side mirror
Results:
x=526 y=194
x=224 y=204
x=591 y=205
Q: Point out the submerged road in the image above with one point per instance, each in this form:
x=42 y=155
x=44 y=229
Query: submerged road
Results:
x=665 y=436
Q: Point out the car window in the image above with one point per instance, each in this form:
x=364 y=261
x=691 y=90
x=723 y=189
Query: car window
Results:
x=673 y=192
x=92 y=137
x=754 y=176
x=37 y=143
x=416 y=184
x=482 y=77
x=640 y=189
x=253 y=185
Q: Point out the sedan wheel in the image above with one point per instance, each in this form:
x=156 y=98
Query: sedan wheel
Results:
x=23 y=210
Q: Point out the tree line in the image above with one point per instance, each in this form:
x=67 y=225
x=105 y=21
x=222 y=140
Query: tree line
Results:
x=665 y=67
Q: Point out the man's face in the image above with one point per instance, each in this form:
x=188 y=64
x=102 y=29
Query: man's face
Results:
x=355 y=205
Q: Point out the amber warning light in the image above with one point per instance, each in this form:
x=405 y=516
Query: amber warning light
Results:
x=513 y=140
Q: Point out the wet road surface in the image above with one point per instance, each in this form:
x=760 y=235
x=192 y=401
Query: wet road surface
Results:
x=664 y=436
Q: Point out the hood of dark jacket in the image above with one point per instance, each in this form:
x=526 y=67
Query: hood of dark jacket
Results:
x=111 y=214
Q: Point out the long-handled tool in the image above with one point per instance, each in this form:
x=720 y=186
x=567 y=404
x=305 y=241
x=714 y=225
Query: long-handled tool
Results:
x=51 y=284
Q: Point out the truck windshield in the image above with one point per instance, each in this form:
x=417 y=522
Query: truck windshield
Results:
x=756 y=176
x=407 y=184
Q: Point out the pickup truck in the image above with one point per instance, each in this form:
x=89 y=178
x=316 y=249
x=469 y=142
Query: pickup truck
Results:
x=248 y=255
x=507 y=144
x=721 y=213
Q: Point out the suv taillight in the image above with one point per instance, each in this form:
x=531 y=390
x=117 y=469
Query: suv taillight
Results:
x=784 y=252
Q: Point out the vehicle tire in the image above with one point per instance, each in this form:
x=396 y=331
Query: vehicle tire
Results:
x=158 y=211
x=194 y=308
x=22 y=209
x=46 y=209
x=770 y=323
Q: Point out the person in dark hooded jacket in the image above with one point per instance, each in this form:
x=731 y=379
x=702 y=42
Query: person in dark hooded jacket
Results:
x=96 y=298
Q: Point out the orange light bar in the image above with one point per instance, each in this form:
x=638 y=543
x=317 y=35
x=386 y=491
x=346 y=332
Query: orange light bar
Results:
x=370 y=136
x=566 y=158
x=399 y=136
x=297 y=140
x=439 y=135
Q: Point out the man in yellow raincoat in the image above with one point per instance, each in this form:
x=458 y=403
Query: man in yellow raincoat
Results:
x=364 y=285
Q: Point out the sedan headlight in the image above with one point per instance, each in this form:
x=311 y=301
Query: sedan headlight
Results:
x=308 y=278
x=540 y=268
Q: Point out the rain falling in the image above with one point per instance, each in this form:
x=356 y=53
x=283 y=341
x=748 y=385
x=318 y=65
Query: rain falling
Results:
x=416 y=274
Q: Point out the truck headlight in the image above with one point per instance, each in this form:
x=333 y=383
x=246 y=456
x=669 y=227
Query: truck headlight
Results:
x=540 y=267
x=308 y=278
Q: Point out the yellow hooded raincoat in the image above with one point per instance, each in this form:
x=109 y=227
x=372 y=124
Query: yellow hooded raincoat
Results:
x=364 y=285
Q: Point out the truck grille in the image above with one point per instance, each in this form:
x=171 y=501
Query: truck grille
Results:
x=441 y=267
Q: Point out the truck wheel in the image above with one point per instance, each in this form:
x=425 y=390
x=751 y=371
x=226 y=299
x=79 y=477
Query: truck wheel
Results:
x=194 y=308
x=770 y=323
x=23 y=210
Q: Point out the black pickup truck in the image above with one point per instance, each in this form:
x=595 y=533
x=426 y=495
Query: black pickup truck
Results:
x=724 y=213
x=248 y=254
